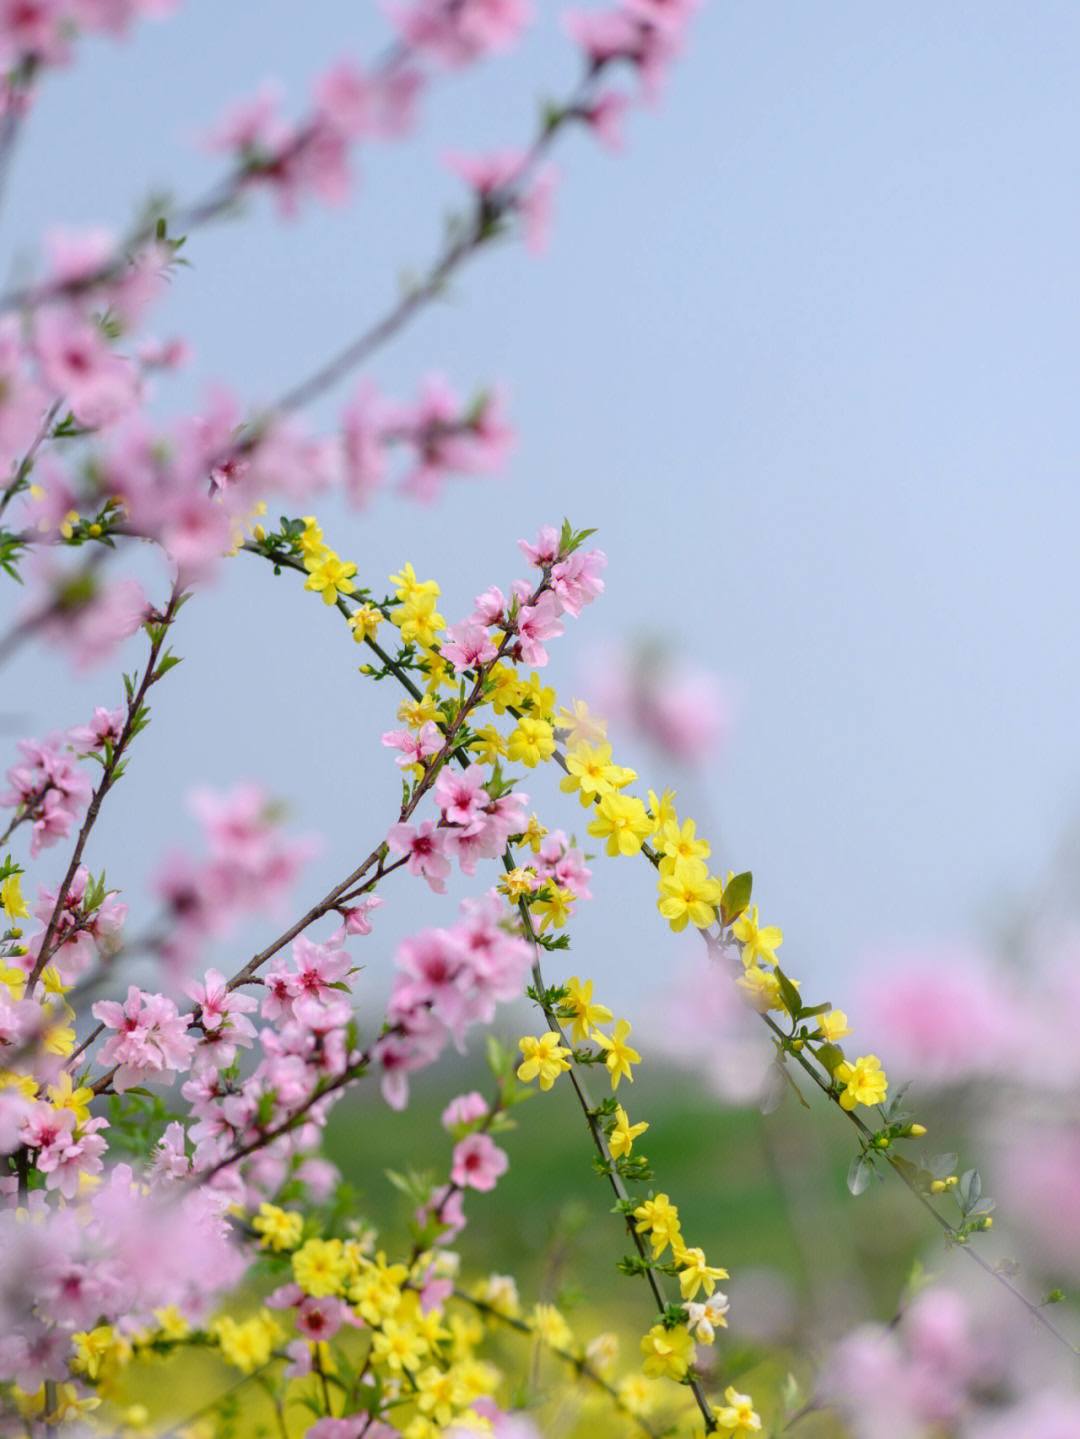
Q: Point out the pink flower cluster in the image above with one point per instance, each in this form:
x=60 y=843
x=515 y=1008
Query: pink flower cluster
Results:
x=447 y=980
x=41 y=32
x=250 y=869
x=48 y=787
x=445 y=435
x=472 y=826
x=80 y=934
x=112 y=1260
x=912 y=1379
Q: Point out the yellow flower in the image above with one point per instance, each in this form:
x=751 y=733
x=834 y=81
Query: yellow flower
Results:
x=619 y=1054
x=668 y=1352
x=761 y=989
x=544 y=1057
x=531 y=742
x=517 y=883
x=556 y=909
x=757 y=944
x=621 y=820
x=688 y=893
x=739 y=1415
x=64 y=1095
x=580 y=1008
x=621 y=1139
x=488 y=745
x=418 y=620
x=591 y=773
x=320 y=1268
x=12 y=899
x=661 y=1219
x=279 y=1228
x=311 y=541
x=408 y=586
x=329 y=576
x=539 y=699
x=864 y=1081
x=247 y=1346
x=398 y=1346
x=680 y=842
x=581 y=727
x=694 y=1272
x=834 y=1025
x=549 y=1325
x=364 y=621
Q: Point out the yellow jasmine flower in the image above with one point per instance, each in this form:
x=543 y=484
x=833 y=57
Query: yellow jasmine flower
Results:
x=544 y=1058
x=668 y=1352
x=661 y=1219
x=621 y=1139
x=688 y=893
x=621 y=820
x=864 y=1081
x=834 y=1025
x=533 y=833
x=279 y=1228
x=680 y=843
x=320 y=1268
x=662 y=811
x=556 y=909
x=620 y=1056
x=738 y=1417
x=364 y=621
x=517 y=883
x=540 y=699
x=409 y=587
x=761 y=989
x=757 y=944
x=694 y=1272
x=11 y=898
x=549 y=1325
x=329 y=576
x=591 y=773
x=581 y=727
x=532 y=741
x=580 y=1008
x=64 y=1095
x=398 y=1346
x=488 y=745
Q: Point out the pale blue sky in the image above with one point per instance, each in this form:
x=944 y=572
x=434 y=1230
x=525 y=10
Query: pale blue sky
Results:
x=806 y=354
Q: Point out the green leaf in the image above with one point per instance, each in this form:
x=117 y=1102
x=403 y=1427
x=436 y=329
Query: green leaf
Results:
x=736 y=896
x=859 y=1174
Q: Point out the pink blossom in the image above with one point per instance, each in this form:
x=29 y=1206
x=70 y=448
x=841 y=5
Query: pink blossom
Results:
x=940 y=1016
x=478 y=1162
x=151 y=1044
x=80 y=368
x=546 y=550
x=344 y=98
x=415 y=748
x=425 y=846
x=91 y=624
x=457 y=32
x=461 y=796
x=319 y=1319
x=576 y=581
x=467 y=646
x=676 y=705
x=105 y=728
x=222 y=1017
x=466 y=1109
x=364 y=452
x=605 y=118
x=534 y=624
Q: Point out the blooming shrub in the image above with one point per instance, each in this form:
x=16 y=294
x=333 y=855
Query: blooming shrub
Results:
x=165 y=1187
